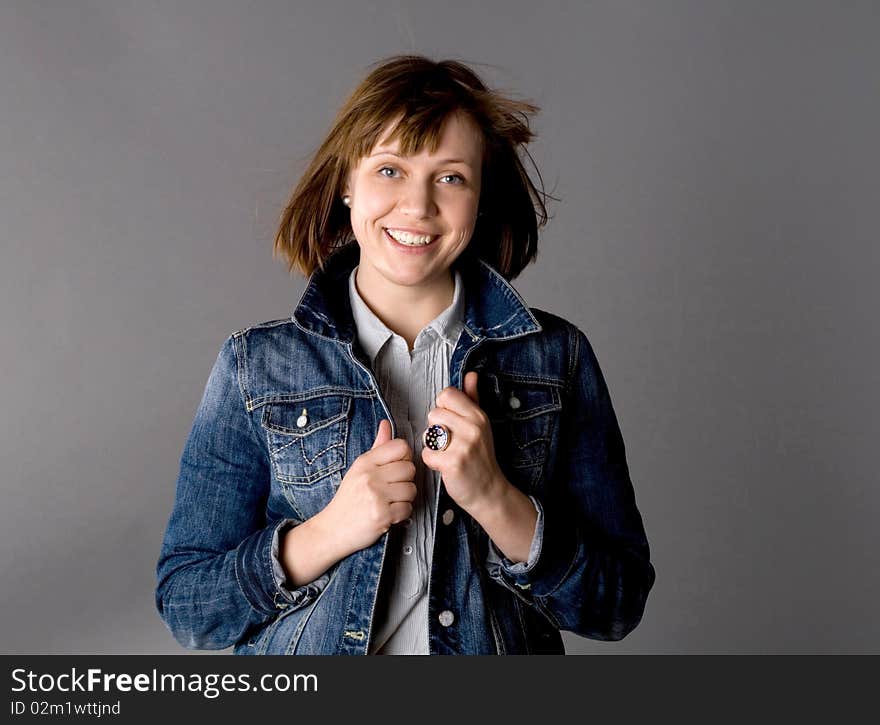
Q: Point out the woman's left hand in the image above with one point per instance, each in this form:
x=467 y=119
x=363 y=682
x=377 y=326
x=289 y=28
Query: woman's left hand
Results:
x=468 y=465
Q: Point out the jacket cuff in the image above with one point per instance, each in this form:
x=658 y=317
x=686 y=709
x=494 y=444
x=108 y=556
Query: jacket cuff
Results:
x=261 y=577
x=552 y=555
x=559 y=554
x=517 y=573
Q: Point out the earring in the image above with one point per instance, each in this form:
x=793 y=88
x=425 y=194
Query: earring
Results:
x=346 y=200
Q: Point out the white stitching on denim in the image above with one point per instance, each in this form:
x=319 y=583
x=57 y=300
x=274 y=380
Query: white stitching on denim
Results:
x=240 y=365
x=521 y=378
x=531 y=442
x=311 y=479
x=261 y=400
x=535 y=412
x=332 y=467
x=276 y=451
x=319 y=453
x=505 y=287
x=502 y=324
x=574 y=353
x=281 y=430
x=265 y=325
x=266 y=422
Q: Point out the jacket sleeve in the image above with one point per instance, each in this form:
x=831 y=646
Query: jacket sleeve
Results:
x=218 y=572
x=592 y=573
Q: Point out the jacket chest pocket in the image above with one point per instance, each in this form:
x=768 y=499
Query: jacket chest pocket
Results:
x=307 y=445
x=523 y=413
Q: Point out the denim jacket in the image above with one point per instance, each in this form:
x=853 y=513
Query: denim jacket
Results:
x=255 y=464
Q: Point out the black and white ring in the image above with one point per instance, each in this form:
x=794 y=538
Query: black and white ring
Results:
x=436 y=437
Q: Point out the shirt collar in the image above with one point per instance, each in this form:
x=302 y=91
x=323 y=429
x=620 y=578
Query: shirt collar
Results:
x=373 y=333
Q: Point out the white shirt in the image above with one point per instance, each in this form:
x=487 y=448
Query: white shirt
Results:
x=410 y=383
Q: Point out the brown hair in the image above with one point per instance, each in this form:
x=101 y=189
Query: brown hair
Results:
x=422 y=94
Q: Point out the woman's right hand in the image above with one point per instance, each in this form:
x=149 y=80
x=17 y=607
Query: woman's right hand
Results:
x=378 y=491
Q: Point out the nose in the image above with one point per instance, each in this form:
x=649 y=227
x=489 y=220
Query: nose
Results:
x=417 y=201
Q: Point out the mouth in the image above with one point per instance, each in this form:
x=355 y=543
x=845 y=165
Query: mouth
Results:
x=408 y=239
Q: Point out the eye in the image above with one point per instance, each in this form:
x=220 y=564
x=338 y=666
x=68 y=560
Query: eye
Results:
x=386 y=168
x=454 y=176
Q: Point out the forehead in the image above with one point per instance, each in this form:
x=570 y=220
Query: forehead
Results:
x=458 y=134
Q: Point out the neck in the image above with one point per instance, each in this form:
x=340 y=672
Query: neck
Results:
x=406 y=310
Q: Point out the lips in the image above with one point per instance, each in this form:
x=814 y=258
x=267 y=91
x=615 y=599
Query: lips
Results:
x=411 y=235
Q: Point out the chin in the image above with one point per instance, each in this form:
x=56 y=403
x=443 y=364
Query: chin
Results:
x=408 y=280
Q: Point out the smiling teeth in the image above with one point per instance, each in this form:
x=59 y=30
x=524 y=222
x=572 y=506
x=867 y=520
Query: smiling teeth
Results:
x=413 y=240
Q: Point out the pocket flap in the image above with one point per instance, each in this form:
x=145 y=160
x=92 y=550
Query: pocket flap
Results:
x=518 y=398
x=301 y=418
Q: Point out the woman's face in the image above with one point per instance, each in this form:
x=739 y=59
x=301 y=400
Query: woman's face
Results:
x=428 y=201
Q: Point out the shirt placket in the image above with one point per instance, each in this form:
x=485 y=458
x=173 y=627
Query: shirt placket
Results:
x=409 y=567
x=419 y=404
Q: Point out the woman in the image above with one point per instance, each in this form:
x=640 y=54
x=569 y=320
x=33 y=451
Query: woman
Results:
x=415 y=461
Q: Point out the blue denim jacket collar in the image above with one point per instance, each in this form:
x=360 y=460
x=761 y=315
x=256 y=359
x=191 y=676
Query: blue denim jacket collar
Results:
x=493 y=308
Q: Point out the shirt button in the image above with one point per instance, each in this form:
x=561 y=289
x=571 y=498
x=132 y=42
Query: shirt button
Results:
x=514 y=402
x=407 y=550
x=446 y=617
x=448 y=515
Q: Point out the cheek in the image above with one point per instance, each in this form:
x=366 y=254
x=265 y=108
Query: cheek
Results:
x=374 y=199
x=466 y=221
x=465 y=211
x=365 y=214
x=462 y=240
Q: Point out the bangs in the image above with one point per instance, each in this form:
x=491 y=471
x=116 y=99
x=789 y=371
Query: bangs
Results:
x=413 y=129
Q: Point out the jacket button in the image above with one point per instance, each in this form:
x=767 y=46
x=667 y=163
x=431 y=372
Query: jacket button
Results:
x=448 y=515
x=446 y=617
x=514 y=402
x=303 y=419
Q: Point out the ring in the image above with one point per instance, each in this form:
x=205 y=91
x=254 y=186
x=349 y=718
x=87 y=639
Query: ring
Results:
x=436 y=437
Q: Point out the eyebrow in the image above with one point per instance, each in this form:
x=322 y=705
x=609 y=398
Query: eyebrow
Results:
x=442 y=161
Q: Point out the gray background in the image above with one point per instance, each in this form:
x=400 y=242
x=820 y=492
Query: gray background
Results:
x=717 y=165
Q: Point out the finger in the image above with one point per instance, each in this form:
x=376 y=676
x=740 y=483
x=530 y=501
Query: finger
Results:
x=400 y=511
x=397 y=449
x=400 y=492
x=470 y=387
x=450 y=420
x=397 y=471
x=383 y=435
x=432 y=459
x=456 y=400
